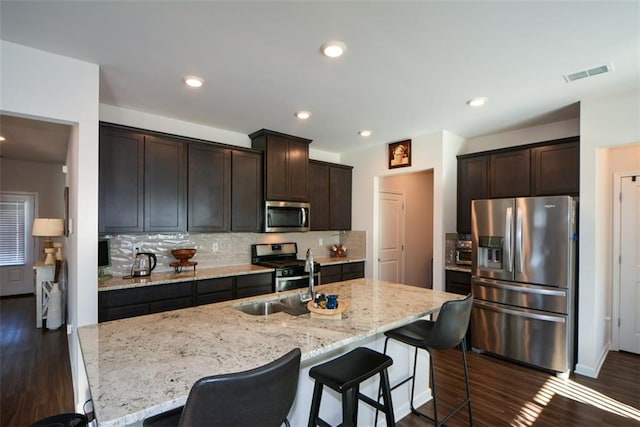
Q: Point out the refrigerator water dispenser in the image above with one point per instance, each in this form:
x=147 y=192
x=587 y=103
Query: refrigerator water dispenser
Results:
x=490 y=252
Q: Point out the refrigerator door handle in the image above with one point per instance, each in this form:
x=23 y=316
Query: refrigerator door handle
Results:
x=521 y=313
x=518 y=288
x=507 y=239
x=519 y=238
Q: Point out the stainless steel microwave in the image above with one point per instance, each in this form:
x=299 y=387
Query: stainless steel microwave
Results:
x=286 y=216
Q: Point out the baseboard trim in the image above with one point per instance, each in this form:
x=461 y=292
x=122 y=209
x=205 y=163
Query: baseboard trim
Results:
x=593 y=371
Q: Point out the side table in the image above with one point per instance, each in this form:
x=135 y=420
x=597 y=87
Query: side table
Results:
x=44 y=277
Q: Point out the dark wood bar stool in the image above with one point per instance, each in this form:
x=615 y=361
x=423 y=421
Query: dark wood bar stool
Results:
x=344 y=374
x=448 y=331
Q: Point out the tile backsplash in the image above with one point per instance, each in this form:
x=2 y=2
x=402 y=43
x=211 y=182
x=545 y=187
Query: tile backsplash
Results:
x=232 y=248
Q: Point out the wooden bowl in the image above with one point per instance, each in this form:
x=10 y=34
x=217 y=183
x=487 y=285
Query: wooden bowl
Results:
x=183 y=254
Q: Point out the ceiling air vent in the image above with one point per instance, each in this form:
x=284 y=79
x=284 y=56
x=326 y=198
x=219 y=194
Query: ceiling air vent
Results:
x=588 y=73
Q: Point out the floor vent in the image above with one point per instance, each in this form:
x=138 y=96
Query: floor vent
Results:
x=588 y=73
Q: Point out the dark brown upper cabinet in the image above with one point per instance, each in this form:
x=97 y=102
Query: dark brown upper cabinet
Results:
x=509 y=174
x=155 y=182
x=556 y=169
x=339 y=197
x=209 y=196
x=330 y=191
x=286 y=165
x=541 y=169
x=319 y=195
x=246 y=191
x=165 y=195
x=121 y=181
x=472 y=185
x=142 y=182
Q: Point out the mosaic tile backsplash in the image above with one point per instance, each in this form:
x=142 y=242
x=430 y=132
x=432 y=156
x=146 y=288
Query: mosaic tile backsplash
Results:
x=232 y=248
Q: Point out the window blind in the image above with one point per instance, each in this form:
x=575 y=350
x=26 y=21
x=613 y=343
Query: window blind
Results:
x=12 y=233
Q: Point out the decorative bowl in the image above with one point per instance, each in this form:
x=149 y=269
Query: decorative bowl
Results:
x=183 y=254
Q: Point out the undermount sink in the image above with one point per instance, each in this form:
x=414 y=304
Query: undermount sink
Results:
x=290 y=304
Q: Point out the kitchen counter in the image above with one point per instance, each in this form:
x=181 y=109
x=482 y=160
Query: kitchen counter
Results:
x=160 y=278
x=330 y=260
x=142 y=366
x=461 y=268
x=187 y=274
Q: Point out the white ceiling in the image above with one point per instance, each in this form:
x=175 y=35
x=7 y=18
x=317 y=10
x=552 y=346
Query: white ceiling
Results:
x=409 y=68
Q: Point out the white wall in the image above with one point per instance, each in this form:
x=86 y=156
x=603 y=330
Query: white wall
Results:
x=45 y=179
x=530 y=135
x=604 y=122
x=434 y=151
x=142 y=120
x=41 y=85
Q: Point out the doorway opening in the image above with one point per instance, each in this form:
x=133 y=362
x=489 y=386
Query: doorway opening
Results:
x=405 y=228
x=626 y=262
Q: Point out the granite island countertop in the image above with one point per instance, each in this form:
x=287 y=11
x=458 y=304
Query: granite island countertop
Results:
x=142 y=366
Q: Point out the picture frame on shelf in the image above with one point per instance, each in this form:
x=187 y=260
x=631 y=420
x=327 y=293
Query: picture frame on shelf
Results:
x=400 y=154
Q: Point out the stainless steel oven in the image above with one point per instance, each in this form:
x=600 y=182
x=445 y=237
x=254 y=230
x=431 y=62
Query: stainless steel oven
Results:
x=285 y=283
x=289 y=272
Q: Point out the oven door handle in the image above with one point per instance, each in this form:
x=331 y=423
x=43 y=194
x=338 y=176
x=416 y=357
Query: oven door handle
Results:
x=284 y=278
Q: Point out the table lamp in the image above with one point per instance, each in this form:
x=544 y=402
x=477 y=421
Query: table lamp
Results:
x=48 y=228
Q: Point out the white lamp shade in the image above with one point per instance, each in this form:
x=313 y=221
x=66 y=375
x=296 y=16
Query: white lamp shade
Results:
x=48 y=227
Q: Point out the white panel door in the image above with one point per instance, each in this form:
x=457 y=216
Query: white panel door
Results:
x=391 y=237
x=17 y=279
x=630 y=265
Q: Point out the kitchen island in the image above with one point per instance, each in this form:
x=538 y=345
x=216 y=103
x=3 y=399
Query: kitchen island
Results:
x=143 y=366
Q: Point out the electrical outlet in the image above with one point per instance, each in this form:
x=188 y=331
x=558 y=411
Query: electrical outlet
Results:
x=214 y=246
x=320 y=242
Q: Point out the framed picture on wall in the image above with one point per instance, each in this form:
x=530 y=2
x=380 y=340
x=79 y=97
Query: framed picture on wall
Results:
x=400 y=154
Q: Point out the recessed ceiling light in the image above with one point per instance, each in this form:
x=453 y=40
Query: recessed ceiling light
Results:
x=303 y=115
x=2 y=138
x=365 y=132
x=477 y=102
x=193 y=81
x=333 y=49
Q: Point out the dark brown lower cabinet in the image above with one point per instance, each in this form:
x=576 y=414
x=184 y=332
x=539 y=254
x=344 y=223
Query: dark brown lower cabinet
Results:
x=254 y=284
x=209 y=291
x=339 y=272
x=123 y=303
x=459 y=282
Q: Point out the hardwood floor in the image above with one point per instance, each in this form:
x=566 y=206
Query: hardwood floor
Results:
x=507 y=394
x=35 y=382
x=35 y=375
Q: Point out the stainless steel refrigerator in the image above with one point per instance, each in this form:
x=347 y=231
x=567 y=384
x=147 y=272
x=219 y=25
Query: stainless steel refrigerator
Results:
x=523 y=267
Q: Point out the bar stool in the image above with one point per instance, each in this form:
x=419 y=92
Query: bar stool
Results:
x=63 y=420
x=446 y=332
x=344 y=374
x=262 y=396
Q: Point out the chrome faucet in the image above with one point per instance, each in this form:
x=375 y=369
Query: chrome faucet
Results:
x=309 y=267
